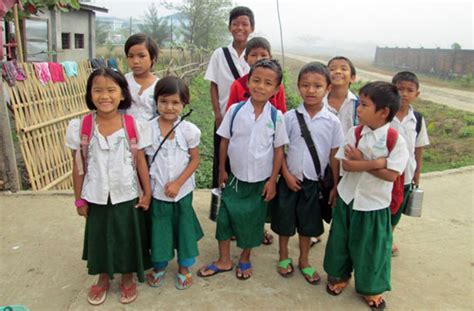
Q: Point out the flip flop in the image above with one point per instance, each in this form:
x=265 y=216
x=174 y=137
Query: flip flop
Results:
x=128 y=295
x=374 y=304
x=308 y=273
x=96 y=291
x=213 y=268
x=155 y=279
x=267 y=238
x=285 y=264
x=314 y=241
x=243 y=266
x=183 y=281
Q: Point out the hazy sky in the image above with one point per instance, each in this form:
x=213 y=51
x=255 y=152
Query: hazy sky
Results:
x=414 y=23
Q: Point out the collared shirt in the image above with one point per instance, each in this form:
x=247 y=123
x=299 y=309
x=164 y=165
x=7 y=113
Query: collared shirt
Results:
x=172 y=159
x=110 y=169
x=326 y=132
x=218 y=71
x=371 y=193
x=143 y=106
x=251 y=147
x=407 y=128
x=346 y=113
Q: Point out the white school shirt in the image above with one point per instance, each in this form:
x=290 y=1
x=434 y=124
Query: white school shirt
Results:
x=218 y=71
x=326 y=132
x=371 y=193
x=143 y=106
x=407 y=128
x=172 y=159
x=346 y=113
x=251 y=147
x=110 y=169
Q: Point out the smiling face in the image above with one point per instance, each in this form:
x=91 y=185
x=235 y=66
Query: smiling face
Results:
x=106 y=94
x=240 y=28
x=340 y=73
x=313 y=87
x=170 y=106
x=257 y=54
x=139 y=59
x=408 y=92
x=263 y=84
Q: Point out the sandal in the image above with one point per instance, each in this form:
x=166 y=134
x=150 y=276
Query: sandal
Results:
x=309 y=273
x=97 y=295
x=184 y=281
x=314 y=241
x=128 y=295
x=287 y=265
x=243 y=266
x=337 y=288
x=155 y=279
x=267 y=238
x=215 y=269
x=395 y=251
x=377 y=303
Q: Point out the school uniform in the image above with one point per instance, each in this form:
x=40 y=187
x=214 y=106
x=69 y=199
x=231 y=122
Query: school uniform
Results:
x=115 y=238
x=360 y=237
x=347 y=113
x=251 y=151
x=407 y=129
x=300 y=210
x=143 y=106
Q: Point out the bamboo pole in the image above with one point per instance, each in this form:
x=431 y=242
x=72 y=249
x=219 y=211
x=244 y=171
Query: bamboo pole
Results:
x=19 y=43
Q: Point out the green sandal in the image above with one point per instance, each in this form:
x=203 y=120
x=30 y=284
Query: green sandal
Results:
x=285 y=264
x=310 y=272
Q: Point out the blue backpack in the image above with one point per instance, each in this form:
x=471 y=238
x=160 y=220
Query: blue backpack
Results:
x=274 y=113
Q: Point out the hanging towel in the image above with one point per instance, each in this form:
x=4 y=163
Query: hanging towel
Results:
x=112 y=63
x=98 y=63
x=11 y=72
x=70 y=68
x=42 y=71
x=56 y=71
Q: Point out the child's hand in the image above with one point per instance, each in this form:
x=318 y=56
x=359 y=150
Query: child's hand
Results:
x=292 y=182
x=333 y=197
x=223 y=176
x=352 y=153
x=269 y=190
x=172 y=189
x=83 y=210
x=144 y=202
x=381 y=163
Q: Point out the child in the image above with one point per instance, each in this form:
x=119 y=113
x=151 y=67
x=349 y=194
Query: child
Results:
x=253 y=136
x=360 y=238
x=297 y=205
x=107 y=194
x=257 y=48
x=222 y=73
x=174 y=223
x=142 y=53
x=411 y=125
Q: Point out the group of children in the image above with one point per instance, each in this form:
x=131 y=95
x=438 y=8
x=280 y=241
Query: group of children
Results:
x=134 y=169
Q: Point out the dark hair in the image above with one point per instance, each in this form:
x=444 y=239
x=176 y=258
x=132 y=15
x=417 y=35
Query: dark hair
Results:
x=315 y=67
x=242 y=11
x=118 y=78
x=406 y=76
x=351 y=65
x=171 y=85
x=257 y=43
x=271 y=64
x=150 y=44
x=383 y=95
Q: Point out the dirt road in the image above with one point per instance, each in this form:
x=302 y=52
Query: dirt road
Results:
x=458 y=99
x=41 y=244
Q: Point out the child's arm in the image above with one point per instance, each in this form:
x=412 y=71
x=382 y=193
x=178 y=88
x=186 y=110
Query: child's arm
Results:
x=354 y=161
x=269 y=190
x=172 y=188
x=144 y=180
x=223 y=147
x=385 y=174
x=291 y=181
x=419 y=161
x=215 y=104
x=77 y=182
x=335 y=175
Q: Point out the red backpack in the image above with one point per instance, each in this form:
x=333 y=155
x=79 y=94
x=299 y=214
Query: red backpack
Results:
x=398 y=184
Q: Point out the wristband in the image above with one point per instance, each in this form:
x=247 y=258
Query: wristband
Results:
x=80 y=203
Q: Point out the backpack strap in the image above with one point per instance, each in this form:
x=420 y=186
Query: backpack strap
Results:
x=354 y=116
x=392 y=137
x=419 y=120
x=234 y=113
x=85 y=130
x=230 y=62
x=131 y=134
x=358 y=134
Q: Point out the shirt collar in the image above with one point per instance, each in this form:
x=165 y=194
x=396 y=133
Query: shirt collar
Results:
x=378 y=133
x=234 y=51
x=323 y=113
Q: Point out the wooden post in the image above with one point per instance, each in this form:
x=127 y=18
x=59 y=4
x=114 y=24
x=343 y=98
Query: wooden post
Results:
x=8 y=147
x=18 y=36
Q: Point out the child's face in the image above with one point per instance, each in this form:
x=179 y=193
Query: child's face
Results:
x=170 y=106
x=340 y=73
x=313 y=87
x=367 y=113
x=106 y=94
x=139 y=59
x=408 y=92
x=256 y=55
x=240 y=28
x=263 y=84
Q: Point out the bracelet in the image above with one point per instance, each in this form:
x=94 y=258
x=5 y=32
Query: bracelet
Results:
x=80 y=203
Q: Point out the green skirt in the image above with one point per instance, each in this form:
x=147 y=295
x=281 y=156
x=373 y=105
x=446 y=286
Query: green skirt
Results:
x=115 y=240
x=175 y=226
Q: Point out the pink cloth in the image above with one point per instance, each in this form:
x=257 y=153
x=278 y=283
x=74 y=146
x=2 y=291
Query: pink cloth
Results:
x=56 y=71
x=42 y=71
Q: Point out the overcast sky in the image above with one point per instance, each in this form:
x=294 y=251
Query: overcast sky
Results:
x=402 y=23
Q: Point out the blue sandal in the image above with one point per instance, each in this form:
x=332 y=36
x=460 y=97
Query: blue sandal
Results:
x=214 y=269
x=243 y=266
x=155 y=279
x=184 y=281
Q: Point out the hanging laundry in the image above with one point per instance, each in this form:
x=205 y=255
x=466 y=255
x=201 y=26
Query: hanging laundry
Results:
x=98 y=63
x=42 y=71
x=11 y=72
x=56 y=70
x=70 y=68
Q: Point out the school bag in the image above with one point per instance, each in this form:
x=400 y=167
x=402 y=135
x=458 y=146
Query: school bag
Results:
x=273 y=114
x=398 y=184
x=418 y=118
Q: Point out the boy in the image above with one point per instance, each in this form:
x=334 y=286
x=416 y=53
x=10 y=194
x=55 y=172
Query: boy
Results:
x=360 y=239
x=253 y=135
x=411 y=125
x=221 y=75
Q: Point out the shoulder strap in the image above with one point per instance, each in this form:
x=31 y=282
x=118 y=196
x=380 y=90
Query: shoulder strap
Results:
x=309 y=143
x=392 y=136
x=230 y=62
x=419 y=121
x=132 y=135
x=354 y=117
x=234 y=113
x=274 y=114
x=85 y=130
x=358 y=134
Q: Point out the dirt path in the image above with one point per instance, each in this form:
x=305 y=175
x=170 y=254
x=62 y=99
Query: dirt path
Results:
x=41 y=244
x=458 y=99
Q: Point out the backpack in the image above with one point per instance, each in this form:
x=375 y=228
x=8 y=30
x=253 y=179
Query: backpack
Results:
x=398 y=184
x=273 y=112
x=419 y=119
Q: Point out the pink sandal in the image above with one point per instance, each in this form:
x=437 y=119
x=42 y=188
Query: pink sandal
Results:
x=128 y=295
x=97 y=295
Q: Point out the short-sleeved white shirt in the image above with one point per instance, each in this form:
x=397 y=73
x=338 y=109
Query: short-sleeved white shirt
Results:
x=110 y=169
x=218 y=71
x=326 y=132
x=371 y=193
x=347 y=113
x=251 y=146
x=143 y=106
x=407 y=128
x=172 y=159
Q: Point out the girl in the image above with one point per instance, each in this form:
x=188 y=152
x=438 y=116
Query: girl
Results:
x=106 y=188
x=141 y=52
x=173 y=159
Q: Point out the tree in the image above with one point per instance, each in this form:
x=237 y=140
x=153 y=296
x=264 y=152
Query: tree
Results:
x=456 y=46
x=155 y=26
x=102 y=31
